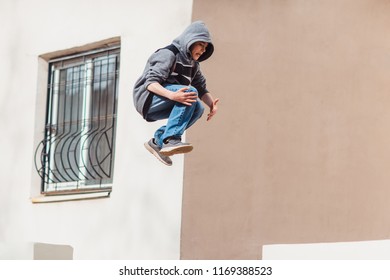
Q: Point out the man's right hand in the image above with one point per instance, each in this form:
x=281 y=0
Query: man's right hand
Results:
x=181 y=96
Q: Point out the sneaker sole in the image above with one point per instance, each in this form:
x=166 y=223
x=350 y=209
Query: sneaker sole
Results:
x=176 y=150
x=153 y=152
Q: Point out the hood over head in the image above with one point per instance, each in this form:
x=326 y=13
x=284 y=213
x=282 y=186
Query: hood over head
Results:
x=195 y=32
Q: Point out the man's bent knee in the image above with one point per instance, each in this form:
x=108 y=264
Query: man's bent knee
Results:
x=192 y=89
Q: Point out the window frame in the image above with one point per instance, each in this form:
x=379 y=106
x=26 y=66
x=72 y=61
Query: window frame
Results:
x=110 y=48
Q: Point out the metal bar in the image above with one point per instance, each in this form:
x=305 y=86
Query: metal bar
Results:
x=113 y=123
x=106 y=120
x=99 y=99
x=55 y=115
x=73 y=136
x=45 y=152
x=86 y=113
x=67 y=129
x=76 y=134
x=67 y=145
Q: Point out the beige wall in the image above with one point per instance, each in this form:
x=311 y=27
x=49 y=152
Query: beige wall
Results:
x=300 y=150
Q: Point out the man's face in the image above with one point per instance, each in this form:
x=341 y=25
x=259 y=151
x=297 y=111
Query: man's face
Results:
x=197 y=49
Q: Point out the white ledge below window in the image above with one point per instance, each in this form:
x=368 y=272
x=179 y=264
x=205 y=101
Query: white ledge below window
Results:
x=69 y=197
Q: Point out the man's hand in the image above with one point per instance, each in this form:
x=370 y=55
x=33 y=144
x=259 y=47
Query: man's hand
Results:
x=213 y=109
x=208 y=99
x=186 y=98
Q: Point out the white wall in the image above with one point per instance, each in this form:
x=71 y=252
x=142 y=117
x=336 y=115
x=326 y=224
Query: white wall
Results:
x=360 y=250
x=141 y=219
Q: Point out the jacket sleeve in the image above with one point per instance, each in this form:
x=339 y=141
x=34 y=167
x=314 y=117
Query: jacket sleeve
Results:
x=160 y=65
x=199 y=82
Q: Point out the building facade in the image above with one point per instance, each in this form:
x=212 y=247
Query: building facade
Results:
x=141 y=218
x=294 y=165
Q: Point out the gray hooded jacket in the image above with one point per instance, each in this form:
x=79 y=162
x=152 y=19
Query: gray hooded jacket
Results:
x=166 y=67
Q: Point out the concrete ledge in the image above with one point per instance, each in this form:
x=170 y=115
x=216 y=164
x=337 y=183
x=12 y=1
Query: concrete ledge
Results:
x=35 y=251
x=44 y=251
x=69 y=197
x=362 y=250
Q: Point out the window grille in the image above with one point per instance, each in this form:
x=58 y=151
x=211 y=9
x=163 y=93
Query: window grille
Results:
x=77 y=152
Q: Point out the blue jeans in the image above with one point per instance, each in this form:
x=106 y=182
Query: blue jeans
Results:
x=180 y=117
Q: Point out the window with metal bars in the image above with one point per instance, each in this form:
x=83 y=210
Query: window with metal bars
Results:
x=77 y=152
